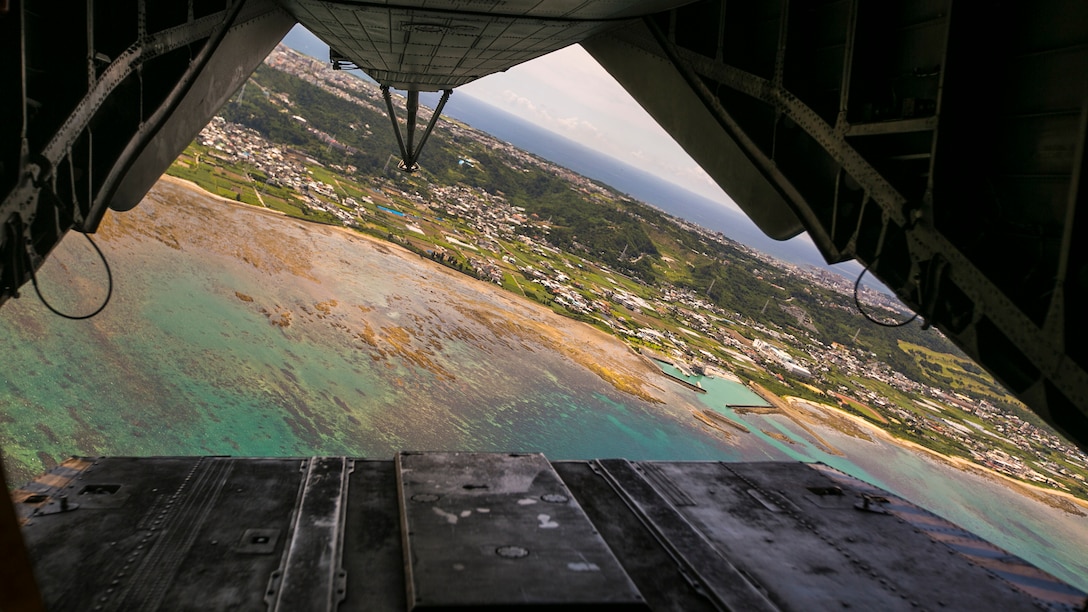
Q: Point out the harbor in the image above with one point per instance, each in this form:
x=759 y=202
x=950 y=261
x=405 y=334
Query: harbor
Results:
x=722 y=388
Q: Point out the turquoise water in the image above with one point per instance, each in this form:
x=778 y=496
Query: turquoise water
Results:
x=722 y=393
x=213 y=347
x=1051 y=539
x=274 y=338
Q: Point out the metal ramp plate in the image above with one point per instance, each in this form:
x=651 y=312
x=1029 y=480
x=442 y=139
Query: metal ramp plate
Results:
x=501 y=530
x=165 y=533
x=466 y=531
x=817 y=544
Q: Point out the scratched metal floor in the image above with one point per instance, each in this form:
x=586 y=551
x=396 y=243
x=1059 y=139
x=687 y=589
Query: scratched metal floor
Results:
x=465 y=530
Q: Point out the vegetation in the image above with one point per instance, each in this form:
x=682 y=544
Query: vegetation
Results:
x=604 y=242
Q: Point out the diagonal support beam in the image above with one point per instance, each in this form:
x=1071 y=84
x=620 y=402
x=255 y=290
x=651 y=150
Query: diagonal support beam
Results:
x=409 y=150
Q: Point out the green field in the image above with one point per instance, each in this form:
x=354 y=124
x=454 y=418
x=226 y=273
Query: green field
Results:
x=959 y=374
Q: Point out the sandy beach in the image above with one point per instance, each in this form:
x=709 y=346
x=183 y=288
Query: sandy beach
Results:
x=1057 y=499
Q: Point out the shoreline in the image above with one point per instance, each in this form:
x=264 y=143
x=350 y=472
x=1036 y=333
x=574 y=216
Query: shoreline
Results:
x=191 y=186
x=644 y=391
x=959 y=463
x=687 y=384
x=632 y=380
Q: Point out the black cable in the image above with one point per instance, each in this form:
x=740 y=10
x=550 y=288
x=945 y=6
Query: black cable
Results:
x=857 y=303
x=109 y=291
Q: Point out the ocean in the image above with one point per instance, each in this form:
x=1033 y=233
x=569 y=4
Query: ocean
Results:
x=266 y=336
x=272 y=337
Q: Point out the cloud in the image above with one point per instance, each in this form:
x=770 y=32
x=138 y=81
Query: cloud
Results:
x=512 y=99
x=573 y=127
x=567 y=92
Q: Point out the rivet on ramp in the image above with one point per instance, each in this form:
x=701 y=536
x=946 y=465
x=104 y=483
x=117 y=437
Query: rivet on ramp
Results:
x=512 y=552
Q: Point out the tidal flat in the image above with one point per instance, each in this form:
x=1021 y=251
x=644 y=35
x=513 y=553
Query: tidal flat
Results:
x=236 y=331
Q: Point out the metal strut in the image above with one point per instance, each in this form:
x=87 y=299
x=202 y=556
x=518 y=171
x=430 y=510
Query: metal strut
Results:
x=410 y=154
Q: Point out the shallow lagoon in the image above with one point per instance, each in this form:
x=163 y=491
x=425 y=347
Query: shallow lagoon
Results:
x=270 y=337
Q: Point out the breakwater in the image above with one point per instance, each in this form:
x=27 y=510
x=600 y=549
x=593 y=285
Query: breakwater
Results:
x=686 y=383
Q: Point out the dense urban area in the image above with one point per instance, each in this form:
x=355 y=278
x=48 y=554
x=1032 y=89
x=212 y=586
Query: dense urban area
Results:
x=314 y=143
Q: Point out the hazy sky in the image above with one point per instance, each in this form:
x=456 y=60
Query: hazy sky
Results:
x=568 y=92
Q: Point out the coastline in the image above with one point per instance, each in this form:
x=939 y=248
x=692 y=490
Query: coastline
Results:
x=788 y=411
x=568 y=336
x=964 y=465
x=625 y=375
x=191 y=186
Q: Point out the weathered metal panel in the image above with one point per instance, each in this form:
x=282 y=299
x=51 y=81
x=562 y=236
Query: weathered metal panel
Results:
x=464 y=530
x=185 y=533
x=493 y=529
x=310 y=576
x=788 y=525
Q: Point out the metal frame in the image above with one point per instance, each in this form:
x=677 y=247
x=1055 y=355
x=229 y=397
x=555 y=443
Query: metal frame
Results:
x=924 y=263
